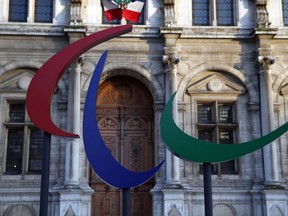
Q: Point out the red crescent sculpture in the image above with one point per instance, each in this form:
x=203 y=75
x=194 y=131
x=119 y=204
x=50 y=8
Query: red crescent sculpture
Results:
x=44 y=82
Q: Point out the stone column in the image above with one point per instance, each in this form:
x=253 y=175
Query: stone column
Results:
x=267 y=118
x=172 y=162
x=73 y=125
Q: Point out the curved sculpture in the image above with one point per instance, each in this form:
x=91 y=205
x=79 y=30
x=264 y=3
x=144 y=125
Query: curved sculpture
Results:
x=192 y=149
x=99 y=156
x=44 y=82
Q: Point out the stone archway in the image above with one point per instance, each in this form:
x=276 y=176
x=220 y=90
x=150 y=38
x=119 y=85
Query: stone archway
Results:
x=126 y=121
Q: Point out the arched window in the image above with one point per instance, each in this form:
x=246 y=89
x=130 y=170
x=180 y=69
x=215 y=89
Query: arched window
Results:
x=21 y=148
x=215 y=96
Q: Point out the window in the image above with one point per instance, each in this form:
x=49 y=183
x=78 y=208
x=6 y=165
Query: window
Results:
x=43 y=10
x=216 y=123
x=19 y=11
x=24 y=142
x=285 y=12
x=213 y=12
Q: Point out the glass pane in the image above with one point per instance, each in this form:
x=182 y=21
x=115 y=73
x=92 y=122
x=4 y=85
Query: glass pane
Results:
x=14 y=151
x=17 y=113
x=226 y=136
x=204 y=113
x=285 y=11
x=18 y=10
x=225 y=113
x=228 y=167
x=35 y=150
x=43 y=10
x=225 y=12
x=200 y=10
x=206 y=135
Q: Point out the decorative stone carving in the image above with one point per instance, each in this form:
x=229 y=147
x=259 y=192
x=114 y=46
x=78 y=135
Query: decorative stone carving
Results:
x=75 y=12
x=108 y=123
x=169 y=12
x=24 y=82
x=215 y=85
x=262 y=14
x=174 y=211
x=171 y=61
x=135 y=124
x=266 y=61
x=122 y=94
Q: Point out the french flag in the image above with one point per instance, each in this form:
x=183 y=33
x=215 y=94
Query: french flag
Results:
x=112 y=10
x=133 y=11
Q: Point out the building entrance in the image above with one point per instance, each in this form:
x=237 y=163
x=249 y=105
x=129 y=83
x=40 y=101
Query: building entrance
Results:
x=126 y=121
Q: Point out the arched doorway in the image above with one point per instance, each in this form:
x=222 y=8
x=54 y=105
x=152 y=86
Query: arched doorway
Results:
x=126 y=121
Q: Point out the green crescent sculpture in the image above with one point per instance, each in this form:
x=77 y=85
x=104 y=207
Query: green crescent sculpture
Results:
x=192 y=149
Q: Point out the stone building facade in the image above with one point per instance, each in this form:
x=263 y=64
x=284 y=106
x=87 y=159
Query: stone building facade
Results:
x=227 y=60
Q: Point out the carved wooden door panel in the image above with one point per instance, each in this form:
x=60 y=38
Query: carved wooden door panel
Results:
x=125 y=118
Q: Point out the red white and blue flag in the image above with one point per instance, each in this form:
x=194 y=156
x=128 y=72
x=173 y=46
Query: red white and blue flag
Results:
x=116 y=9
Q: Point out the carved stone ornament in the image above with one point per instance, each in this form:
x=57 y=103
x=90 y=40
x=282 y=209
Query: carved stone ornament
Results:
x=171 y=61
x=215 y=85
x=262 y=14
x=169 y=12
x=266 y=61
x=75 y=12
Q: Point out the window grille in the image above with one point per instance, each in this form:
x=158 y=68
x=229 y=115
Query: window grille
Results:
x=24 y=142
x=216 y=123
x=43 y=11
x=18 y=10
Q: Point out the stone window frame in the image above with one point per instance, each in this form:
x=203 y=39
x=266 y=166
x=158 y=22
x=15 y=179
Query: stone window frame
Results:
x=27 y=126
x=215 y=126
x=31 y=12
x=213 y=20
x=219 y=85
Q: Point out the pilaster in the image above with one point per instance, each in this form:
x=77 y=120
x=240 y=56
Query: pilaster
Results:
x=173 y=192
x=274 y=196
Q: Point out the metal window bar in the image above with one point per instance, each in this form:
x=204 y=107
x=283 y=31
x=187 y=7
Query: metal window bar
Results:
x=35 y=150
x=14 y=151
x=16 y=113
x=204 y=113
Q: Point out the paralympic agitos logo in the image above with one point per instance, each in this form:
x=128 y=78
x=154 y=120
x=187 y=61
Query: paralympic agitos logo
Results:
x=38 y=102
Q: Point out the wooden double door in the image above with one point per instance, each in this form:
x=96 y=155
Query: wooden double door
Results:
x=125 y=118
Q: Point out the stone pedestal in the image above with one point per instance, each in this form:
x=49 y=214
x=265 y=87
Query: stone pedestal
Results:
x=173 y=202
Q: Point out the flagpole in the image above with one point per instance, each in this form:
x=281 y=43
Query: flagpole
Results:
x=44 y=192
